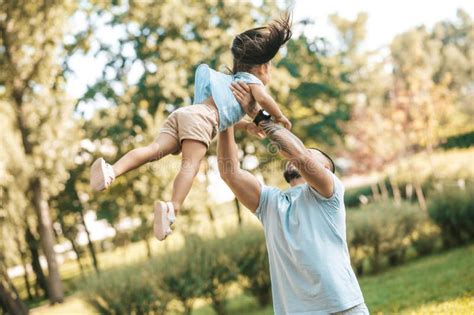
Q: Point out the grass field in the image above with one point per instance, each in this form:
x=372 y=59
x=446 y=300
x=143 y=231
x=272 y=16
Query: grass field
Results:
x=442 y=283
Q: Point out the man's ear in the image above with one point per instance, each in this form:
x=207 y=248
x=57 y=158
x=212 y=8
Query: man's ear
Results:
x=261 y=69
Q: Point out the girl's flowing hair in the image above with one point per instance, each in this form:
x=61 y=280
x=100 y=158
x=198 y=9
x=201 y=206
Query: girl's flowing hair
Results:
x=259 y=45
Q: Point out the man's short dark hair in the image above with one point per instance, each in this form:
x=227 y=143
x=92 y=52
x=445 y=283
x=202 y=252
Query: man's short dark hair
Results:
x=333 y=166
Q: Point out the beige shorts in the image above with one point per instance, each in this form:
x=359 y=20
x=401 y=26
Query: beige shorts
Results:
x=195 y=122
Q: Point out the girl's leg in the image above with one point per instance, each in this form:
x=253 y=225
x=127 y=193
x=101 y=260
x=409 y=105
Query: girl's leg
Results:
x=164 y=145
x=193 y=152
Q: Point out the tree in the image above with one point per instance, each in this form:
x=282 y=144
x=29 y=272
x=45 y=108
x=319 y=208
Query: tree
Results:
x=412 y=108
x=10 y=300
x=70 y=207
x=38 y=112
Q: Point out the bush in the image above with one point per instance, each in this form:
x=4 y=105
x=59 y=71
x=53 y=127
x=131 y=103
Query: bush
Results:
x=202 y=269
x=126 y=290
x=217 y=270
x=425 y=242
x=382 y=233
x=249 y=252
x=452 y=210
x=352 y=196
x=464 y=140
x=181 y=278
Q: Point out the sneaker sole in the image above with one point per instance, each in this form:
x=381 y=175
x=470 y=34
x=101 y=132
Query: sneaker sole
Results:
x=97 y=180
x=160 y=220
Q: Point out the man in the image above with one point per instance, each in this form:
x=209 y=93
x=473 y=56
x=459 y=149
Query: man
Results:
x=304 y=226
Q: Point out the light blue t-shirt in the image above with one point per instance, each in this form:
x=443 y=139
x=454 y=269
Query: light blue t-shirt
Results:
x=308 y=255
x=209 y=82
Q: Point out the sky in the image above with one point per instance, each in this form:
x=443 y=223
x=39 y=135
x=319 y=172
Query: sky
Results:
x=386 y=18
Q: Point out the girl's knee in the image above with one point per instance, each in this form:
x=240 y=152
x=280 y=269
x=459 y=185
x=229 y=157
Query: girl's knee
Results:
x=190 y=167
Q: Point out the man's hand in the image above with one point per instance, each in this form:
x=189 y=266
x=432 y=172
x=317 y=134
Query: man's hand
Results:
x=242 y=93
x=252 y=129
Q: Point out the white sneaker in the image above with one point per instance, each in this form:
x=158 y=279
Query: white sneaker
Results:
x=102 y=175
x=164 y=218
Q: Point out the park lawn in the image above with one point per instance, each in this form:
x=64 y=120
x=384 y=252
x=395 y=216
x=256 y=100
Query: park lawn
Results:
x=441 y=283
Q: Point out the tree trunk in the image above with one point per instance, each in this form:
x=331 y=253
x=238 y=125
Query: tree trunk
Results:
x=22 y=255
x=420 y=196
x=70 y=238
x=78 y=254
x=383 y=190
x=148 y=247
x=375 y=191
x=210 y=214
x=90 y=245
x=25 y=275
x=9 y=298
x=35 y=262
x=239 y=212
x=396 y=192
x=409 y=191
x=55 y=287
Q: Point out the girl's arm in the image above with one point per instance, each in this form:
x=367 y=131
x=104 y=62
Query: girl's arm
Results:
x=269 y=104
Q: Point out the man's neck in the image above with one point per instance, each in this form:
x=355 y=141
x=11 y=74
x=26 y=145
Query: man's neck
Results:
x=297 y=181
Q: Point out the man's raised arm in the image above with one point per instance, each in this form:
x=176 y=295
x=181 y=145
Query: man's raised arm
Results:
x=290 y=146
x=243 y=184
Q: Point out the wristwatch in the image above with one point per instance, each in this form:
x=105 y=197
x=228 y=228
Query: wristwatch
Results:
x=261 y=116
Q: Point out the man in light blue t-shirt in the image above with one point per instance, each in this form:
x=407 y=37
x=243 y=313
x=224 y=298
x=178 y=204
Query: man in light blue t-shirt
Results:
x=304 y=226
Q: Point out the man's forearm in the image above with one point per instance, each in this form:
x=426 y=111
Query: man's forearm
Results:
x=288 y=144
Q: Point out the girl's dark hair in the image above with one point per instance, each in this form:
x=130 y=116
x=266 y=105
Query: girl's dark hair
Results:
x=259 y=45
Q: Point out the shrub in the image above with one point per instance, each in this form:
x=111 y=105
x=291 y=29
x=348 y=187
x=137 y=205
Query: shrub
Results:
x=452 y=210
x=426 y=240
x=126 y=290
x=217 y=271
x=249 y=252
x=202 y=269
x=381 y=232
x=464 y=140
x=180 y=277
x=352 y=196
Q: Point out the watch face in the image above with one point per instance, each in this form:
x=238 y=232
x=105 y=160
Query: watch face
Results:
x=265 y=113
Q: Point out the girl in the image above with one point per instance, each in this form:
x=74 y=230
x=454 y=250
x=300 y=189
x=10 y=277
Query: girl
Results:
x=190 y=129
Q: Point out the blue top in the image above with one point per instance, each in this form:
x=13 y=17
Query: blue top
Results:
x=209 y=82
x=308 y=255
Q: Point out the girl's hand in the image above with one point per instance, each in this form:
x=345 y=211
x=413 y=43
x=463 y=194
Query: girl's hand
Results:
x=252 y=129
x=284 y=121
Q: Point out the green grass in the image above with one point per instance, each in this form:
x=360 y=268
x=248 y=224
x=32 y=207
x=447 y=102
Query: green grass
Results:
x=438 y=278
